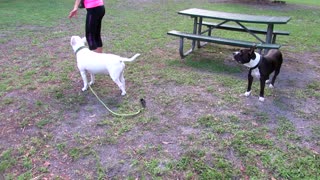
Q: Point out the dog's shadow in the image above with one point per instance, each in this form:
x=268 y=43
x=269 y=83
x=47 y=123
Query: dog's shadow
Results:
x=110 y=97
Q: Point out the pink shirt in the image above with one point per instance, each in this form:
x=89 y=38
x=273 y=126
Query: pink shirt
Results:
x=92 y=3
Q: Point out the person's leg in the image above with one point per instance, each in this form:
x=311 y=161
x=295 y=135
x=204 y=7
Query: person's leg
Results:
x=98 y=30
x=91 y=24
x=93 y=28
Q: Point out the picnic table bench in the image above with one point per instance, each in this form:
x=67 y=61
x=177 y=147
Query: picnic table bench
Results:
x=198 y=35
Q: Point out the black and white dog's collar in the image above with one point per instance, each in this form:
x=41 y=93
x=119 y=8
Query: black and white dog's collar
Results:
x=254 y=63
x=79 y=49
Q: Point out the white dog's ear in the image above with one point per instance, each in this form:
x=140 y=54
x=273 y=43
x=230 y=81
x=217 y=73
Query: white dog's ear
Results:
x=84 y=39
x=73 y=41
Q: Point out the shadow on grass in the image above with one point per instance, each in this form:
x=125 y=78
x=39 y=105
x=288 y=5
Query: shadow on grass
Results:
x=211 y=64
x=211 y=58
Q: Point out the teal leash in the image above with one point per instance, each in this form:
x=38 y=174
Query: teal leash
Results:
x=142 y=101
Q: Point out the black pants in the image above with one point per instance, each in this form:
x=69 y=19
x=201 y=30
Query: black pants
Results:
x=93 y=26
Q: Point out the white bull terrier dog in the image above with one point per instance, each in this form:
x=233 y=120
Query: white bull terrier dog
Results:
x=99 y=63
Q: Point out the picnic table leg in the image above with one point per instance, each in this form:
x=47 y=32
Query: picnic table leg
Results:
x=274 y=38
x=269 y=36
x=199 y=31
x=195 y=24
x=199 y=45
x=193 y=44
x=181 y=52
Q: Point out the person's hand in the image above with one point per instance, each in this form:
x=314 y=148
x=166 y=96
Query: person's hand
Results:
x=73 y=13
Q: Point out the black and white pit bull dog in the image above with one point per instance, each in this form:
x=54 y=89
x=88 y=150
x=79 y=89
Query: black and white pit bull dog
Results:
x=260 y=67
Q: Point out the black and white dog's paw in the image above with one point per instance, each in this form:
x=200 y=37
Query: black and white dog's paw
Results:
x=261 y=99
x=247 y=93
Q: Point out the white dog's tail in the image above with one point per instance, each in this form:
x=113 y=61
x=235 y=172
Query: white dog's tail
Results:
x=132 y=58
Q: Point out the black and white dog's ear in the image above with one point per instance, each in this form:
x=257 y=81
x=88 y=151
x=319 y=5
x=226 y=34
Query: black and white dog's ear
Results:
x=253 y=48
x=251 y=53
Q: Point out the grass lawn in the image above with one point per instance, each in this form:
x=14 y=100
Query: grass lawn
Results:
x=197 y=124
x=307 y=2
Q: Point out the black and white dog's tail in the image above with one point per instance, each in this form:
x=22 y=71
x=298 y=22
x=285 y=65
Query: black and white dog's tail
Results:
x=132 y=58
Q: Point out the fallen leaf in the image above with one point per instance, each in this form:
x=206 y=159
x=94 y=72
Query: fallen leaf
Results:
x=47 y=164
x=315 y=152
x=164 y=142
x=254 y=123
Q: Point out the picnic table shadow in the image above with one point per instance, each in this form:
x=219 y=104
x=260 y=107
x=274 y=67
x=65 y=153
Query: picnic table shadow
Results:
x=212 y=60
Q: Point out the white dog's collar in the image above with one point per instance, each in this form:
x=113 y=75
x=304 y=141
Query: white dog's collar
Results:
x=254 y=62
x=79 y=49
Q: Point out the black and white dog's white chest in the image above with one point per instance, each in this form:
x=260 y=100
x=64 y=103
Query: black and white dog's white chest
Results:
x=255 y=73
x=253 y=64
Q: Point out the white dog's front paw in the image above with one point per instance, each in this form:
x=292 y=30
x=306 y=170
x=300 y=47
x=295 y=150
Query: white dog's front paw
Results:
x=271 y=86
x=123 y=93
x=84 y=88
x=261 y=99
x=247 y=93
x=91 y=83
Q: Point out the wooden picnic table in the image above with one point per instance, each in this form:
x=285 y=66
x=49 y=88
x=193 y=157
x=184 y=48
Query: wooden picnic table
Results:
x=241 y=20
